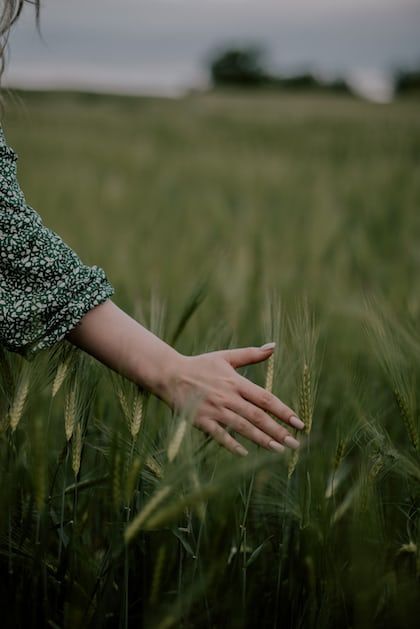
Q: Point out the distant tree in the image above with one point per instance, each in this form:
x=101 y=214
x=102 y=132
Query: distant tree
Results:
x=309 y=82
x=340 y=86
x=241 y=67
x=407 y=82
x=297 y=82
x=244 y=67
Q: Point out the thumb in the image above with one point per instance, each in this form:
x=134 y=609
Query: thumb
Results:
x=248 y=355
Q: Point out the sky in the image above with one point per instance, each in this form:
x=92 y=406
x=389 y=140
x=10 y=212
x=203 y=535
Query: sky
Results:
x=163 y=46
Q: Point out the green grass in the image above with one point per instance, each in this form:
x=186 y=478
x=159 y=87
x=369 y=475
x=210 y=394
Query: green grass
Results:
x=227 y=219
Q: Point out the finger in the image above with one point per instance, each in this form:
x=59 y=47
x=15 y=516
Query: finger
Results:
x=268 y=402
x=257 y=417
x=221 y=435
x=247 y=355
x=252 y=432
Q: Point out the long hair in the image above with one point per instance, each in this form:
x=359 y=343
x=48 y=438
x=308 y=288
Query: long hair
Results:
x=10 y=10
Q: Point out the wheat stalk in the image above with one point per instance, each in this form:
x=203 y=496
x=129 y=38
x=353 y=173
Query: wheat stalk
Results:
x=167 y=622
x=377 y=466
x=77 y=449
x=305 y=413
x=4 y=423
x=305 y=399
x=157 y=574
x=408 y=419
x=177 y=439
x=123 y=402
x=60 y=376
x=21 y=394
x=154 y=467
x=40 y=480
x=70 y=411
x=269 y=374
x=139 y=520
x=137 y=414
x=201 y=506
x=409 y=548
x=339 y=453
x=364 y=490
x=132 y=479
x=294 y=457
x=116 y=481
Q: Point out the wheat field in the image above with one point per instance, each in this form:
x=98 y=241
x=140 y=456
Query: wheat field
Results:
x=222 y=220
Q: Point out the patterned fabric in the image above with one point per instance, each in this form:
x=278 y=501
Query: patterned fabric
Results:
x=45 y=289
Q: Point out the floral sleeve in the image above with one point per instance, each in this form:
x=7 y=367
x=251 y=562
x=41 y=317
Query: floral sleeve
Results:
x=45 y=289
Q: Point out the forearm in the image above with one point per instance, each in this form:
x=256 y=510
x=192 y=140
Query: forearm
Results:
x=114 y=338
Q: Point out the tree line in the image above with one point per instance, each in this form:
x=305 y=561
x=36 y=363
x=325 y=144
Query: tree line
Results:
x=245 y=67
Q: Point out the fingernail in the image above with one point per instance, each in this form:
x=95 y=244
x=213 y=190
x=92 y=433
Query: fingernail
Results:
x=276 y=446
x=240 y=450
x=268 y=346
x=291 y=442
x=296 y=422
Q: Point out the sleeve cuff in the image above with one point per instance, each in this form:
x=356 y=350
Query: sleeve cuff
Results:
x=95 y=290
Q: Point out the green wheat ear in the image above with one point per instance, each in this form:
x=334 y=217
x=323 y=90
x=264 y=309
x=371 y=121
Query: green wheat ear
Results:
x=70 y=410
x=60 y=376
x=339 y=453
x=132 y=479
x=305 y=412
x=407 y=418
x=269 y=374
x=76 y=449
x=306 y=399
x=177 y=440
x=137 y=413
x=122 y=398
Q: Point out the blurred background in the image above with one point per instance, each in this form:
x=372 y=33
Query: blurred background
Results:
x=244 y=171
x=166 y=46
x=218 y=130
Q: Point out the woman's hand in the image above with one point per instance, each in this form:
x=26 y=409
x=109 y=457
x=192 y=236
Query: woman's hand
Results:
x=226 y=399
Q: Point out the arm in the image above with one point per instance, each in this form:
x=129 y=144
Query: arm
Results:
x=225 y=397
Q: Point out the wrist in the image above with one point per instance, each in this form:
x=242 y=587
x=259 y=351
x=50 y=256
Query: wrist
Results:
x=123 y=344
x=158 y=376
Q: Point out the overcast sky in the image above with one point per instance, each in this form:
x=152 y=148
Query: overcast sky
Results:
x=162 y=45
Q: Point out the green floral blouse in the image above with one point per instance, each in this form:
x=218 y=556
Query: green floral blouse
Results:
x=45 y=289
